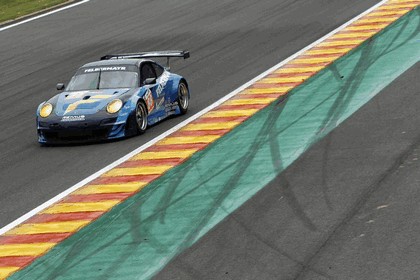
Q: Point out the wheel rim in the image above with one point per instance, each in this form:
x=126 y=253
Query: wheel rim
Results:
x=183 y=96
x=141 y=117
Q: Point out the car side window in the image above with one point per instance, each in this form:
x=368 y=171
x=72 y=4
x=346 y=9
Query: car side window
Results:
x=146 y=72
x=158 y=69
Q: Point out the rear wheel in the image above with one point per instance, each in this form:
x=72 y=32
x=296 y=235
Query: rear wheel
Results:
x=141 y=117
x=183 y=97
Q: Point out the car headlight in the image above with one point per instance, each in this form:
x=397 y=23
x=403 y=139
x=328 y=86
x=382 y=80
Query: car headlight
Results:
x=114 y=106
x=46 y=110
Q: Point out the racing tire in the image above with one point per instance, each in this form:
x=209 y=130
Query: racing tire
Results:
x=183 y=97
x=141 y=117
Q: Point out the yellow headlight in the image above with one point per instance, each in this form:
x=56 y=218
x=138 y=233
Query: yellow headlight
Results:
x=114 y=106
x=46 y=110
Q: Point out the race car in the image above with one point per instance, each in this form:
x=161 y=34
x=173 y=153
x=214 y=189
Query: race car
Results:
x=118 y=96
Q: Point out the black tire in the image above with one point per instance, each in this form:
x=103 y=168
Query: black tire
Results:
x=183 y=97
x=141 y=117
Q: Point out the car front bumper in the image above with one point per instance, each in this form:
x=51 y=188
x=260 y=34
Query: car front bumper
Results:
x=53 y=131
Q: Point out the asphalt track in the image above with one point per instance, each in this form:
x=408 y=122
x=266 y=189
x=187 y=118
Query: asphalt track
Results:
x=347 y=209
x=230 y=41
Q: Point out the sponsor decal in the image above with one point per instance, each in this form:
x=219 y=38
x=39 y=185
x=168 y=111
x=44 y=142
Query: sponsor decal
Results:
x=95 y=98
x=148 y=98
x=110 y=68
x=74 y=105
x=171 y=106
x=73 y=118
x=159 y=102
x=163 y=80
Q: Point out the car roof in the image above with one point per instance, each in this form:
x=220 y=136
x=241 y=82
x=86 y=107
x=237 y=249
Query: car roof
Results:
x=135 y=62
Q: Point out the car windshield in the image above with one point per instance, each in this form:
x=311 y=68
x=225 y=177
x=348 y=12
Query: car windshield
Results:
x=103 y=80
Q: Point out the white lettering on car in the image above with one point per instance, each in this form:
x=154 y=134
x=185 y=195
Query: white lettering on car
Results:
x=114 y=68
x=163 y=80
x=73 y=118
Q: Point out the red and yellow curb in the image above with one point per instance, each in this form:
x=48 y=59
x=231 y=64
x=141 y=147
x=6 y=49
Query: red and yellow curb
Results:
x=23 y=244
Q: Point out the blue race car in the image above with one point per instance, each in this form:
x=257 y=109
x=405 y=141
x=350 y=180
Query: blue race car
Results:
x=118 y=96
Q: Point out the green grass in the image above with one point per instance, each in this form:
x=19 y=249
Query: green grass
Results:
x=12 y=9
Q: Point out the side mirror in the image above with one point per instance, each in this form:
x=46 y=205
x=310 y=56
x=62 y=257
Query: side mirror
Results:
x=150 y=81
x=60 y=86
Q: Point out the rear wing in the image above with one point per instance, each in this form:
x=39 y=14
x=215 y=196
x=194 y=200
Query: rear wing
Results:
x=152 y=54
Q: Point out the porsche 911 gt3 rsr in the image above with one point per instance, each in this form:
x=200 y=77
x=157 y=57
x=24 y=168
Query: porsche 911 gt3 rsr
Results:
x=118 y=96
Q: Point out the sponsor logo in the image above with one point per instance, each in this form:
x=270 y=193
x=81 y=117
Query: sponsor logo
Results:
x=148 y=98
x=97 y=69
x=160 y=102
x=171 y=106
x=73 y=118
x=163 y=80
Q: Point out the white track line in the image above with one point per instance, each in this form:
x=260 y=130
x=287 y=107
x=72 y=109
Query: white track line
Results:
x=175 y=128
x=43 y=15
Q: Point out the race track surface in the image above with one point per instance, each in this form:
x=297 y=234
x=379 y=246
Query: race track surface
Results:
x=230 y=42
x=347 y=209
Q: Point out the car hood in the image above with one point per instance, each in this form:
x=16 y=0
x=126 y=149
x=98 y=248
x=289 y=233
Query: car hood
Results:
x=85 y=102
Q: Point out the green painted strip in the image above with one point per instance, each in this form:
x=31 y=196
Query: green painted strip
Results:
x=14 y=9
x=137 y=238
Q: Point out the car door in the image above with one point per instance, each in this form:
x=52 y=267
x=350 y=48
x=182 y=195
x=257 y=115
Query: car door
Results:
x=146 y=72
x=164 y=91
x=163 y=87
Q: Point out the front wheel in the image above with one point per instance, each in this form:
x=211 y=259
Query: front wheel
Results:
x=183 y=98
x=141 y=117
